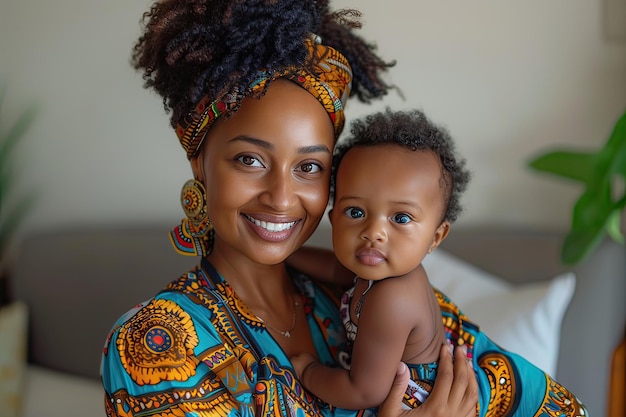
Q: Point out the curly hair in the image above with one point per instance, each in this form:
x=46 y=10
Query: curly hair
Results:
x=192 y=48
x=414 y=131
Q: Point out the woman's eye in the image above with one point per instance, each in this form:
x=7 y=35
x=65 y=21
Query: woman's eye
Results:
x=354 y=212
x=401 y=218
x=250 y=161
x=310 y=168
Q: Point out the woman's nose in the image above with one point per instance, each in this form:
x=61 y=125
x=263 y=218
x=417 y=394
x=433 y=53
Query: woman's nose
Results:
x=374 y=230
x=280 y=190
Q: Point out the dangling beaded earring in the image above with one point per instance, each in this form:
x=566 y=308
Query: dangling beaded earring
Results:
x=194 y=236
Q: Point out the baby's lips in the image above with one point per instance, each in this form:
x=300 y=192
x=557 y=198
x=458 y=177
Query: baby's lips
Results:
x=370 y=256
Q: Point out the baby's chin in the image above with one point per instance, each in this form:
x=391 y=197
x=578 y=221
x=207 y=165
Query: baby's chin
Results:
x=376 y=273
x=371 y=273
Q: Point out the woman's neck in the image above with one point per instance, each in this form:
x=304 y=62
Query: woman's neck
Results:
x=256 y=284
x=267 y=290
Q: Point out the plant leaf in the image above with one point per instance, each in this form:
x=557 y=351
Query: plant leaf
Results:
x=613 y=226
x=573 y=165
x=15 y=133
x=590 y=215
x=614 y=151
x=14 y=219
x=578 y=246
x=596 y=213
x=5 y=186
x=594 y=216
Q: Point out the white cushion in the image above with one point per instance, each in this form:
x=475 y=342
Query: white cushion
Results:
x=525 y=319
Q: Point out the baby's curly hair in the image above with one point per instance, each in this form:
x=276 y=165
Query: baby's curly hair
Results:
x=192 y=48
x=412 y=130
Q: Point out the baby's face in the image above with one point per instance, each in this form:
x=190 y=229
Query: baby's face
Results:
x=388 y=207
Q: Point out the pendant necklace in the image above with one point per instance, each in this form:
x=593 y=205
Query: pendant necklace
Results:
x=285 y=333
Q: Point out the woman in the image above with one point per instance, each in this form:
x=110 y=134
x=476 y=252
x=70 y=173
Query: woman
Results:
x=257 y=102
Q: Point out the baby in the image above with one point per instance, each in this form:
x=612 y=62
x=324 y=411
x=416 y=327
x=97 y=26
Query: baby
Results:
x=396 y=185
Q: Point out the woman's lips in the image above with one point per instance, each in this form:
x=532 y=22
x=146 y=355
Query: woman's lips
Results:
x=274 y=231
x=370 y=256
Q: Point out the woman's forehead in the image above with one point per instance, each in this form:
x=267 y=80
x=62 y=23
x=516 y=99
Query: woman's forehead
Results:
x=285 y=115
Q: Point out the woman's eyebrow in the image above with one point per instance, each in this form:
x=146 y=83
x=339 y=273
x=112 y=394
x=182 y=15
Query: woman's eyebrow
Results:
x=314 y=149
x=267 y=145
x=254 y=141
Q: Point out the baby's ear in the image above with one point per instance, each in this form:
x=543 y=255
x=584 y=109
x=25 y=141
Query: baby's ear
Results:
x=330 y=216
x=440 y=234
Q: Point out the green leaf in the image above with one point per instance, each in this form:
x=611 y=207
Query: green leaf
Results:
x=612 y=156
x=613 y=226
x=6 y=179
x=594 y=214
x=578 y=246
x=15 y=133
x=577 y=166
x=588 y=225
x=14 y=219
x=597 y=212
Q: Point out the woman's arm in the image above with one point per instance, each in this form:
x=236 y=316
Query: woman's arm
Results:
x=455 y=393
x=322 y=265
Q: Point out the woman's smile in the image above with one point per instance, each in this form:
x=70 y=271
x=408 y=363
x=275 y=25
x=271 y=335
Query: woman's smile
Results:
x=275 y=231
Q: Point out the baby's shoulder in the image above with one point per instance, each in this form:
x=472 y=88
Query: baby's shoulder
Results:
x=407 y=294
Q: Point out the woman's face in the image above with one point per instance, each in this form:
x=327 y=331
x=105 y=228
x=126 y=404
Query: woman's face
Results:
x=266 y=171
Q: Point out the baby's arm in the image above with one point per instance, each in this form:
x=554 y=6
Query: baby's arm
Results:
x=322 y=265
x=386 y=320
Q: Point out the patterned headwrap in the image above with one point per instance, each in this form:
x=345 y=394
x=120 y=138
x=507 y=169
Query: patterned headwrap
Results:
x=327 y=76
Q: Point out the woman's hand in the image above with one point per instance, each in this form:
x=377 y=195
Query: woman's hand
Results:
x=455 y=393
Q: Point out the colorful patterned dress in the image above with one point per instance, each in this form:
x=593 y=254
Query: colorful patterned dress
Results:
x=508 y=384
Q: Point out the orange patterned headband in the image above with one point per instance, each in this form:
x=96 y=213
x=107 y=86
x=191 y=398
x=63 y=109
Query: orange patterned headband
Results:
x=328 y=79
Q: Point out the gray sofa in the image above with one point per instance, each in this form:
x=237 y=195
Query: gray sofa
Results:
x=76 y=283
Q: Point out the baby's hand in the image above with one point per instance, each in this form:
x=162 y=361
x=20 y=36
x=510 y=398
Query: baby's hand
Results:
x=301 y=361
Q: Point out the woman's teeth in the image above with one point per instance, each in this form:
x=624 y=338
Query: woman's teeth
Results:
x=271 y=227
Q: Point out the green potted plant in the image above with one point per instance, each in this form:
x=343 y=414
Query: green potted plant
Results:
x=598 y=211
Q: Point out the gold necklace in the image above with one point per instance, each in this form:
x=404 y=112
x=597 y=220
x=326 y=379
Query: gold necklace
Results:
x=285 y=333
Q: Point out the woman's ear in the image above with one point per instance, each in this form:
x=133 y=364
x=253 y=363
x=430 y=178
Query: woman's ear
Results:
x=440 y=234
x=197 y=167
x=330 y=216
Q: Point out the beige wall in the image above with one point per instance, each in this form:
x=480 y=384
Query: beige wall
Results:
x=508 y=79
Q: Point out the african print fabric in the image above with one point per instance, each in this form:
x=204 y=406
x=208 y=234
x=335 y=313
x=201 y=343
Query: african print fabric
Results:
x=326 y=75
x=196 y=350
x=508 y=385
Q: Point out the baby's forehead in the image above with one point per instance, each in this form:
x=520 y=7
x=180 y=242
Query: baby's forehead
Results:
x=378 y=156
x=384 y=167
x=377 y=166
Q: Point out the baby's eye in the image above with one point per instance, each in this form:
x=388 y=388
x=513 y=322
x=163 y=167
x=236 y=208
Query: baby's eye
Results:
x=310 y=168
x=354 y=212
x=401 y=218
x=250 y=161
